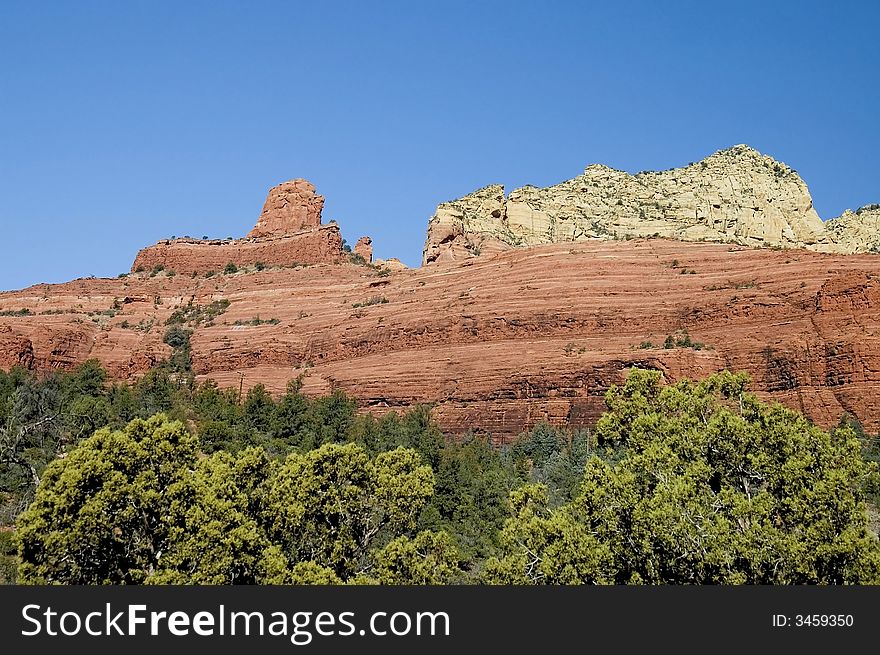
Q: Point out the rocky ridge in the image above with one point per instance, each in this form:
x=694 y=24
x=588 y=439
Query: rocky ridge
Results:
x=493 y=343
x=736 y=196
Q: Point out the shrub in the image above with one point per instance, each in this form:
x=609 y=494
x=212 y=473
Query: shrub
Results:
x=198 y=314
x=375 y=300
x=181 y=358
x=256 y=320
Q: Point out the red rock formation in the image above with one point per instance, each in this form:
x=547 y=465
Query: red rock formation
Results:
x=290 y=207
x=496 y=343
x=15 y=349
x=316 y=246
x=364 y=248
x=288 y=232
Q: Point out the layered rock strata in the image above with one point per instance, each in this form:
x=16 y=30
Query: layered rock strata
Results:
x=498 y=343
x=320 y=245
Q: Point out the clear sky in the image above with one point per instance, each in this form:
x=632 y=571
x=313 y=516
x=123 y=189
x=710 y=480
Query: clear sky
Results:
x=125 y=122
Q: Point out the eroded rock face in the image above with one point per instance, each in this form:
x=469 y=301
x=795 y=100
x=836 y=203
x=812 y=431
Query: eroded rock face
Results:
x=15 y=349
x=322 y=245
x=466 y=227
x=290 y=207
x=856 y=231
x=392 y=264
x=288 y=232
x=733 y=196
x=494 y=343
x=364 y=248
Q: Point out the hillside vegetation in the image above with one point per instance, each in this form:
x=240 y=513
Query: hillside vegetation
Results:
x=169 y=481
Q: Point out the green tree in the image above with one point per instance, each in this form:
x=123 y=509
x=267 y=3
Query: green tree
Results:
x=213 y=536
x=429 y=558
x=542 y=546
x=330 y=505
x=101 y=515
x=30 y=436
x=470 y=501
x=259 y=409
x=713 y=486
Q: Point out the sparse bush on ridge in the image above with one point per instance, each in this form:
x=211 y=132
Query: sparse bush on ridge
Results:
x=375 y=300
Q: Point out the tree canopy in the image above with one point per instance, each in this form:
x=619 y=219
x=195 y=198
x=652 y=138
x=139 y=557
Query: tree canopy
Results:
x=710 y=486
x=137 y=505
x=169 y=481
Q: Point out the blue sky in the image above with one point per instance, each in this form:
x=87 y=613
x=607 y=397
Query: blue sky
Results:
x=125 y=122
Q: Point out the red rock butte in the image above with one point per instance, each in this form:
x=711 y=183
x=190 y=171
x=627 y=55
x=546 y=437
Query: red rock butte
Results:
x=288 y=232
x=290 y=208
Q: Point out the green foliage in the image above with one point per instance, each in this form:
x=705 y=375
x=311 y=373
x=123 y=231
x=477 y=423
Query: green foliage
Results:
x=181 y=357
x=553 y=457
x=375 y=300
x=230 y=268
x=213 y=536
x=683 y=340
x=101 y=515
x=195 y=315
x=414 y=430
x=37 y=421
x=713 y=487
x=430 y=558
x=471 y=497
x=8 y=557
x=548 y=547
x=690 y=483
x=138 y=506
x=256 y=320
x=330 y=504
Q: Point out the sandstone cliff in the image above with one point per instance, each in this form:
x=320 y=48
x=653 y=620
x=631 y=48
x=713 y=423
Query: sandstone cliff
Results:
x=290 y=207
x=288 y=232
x=320 y=245
x=494 y=343
x=733 y=196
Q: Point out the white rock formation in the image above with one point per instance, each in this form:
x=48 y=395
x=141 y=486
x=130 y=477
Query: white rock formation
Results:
x=736 y=195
